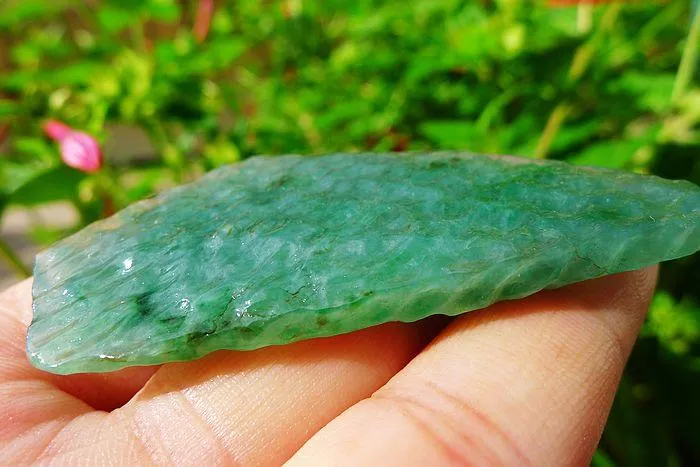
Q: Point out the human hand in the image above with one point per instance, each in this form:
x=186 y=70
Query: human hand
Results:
x=526 y=382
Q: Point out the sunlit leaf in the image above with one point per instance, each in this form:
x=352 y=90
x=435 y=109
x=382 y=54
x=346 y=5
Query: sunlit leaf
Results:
x=452 y=134
x=611 y=154
x=13 y=175
x=15 y=12
x=60 y=183
x=114 y=18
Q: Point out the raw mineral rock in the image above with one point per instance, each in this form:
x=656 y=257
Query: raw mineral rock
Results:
x=280 y=249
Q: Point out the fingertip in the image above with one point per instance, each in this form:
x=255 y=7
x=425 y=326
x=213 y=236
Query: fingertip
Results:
x=17 y=301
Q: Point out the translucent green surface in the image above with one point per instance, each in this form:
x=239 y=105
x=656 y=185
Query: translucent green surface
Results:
x=280 y=249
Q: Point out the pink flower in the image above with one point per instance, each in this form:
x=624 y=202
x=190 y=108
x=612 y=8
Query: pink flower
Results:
x=202 y=21
x=78 y=149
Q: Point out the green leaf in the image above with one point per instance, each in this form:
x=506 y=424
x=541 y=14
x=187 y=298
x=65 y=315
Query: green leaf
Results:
x=520 y=136
x=221 y=152
x=675 y=324
x=145 y=181
x=35 y=146
x=165 y=53
x=17 y=12
x=452 y=134
x=77 y=73
x=424 y=66
x=113 y=18
x=571 y=135
x=8 y=108
x=45 y=235
x=165 y=11
x=600 y=459
x=16 y=80
x=13 y=175
x=217 y=55
x=343 y=112
x=652 y=91
x=82 y=72
x=612 y=154
x=59 y=183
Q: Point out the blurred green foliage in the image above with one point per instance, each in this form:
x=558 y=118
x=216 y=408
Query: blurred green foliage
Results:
x=611 y=85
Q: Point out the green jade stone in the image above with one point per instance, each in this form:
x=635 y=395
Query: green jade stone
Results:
x=279 y=249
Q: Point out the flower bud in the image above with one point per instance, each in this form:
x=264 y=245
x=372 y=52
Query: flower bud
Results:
x=78 y=149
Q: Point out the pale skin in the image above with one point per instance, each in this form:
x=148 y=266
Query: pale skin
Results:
x=527 y=382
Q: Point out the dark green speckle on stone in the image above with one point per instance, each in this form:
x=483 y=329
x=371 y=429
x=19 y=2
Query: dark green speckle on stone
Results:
x=280 y=249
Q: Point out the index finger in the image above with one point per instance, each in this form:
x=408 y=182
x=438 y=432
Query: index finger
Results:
x=527 y=382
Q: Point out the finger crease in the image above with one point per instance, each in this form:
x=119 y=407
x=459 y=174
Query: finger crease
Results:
x=483 y=419
x=455 y=424
x=198 y=417
x=409 y=409
x=134 y=431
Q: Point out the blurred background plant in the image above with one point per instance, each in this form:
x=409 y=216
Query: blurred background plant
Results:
x=136 y=96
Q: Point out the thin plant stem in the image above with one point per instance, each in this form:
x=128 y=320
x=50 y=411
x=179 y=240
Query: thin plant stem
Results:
x=689 y=60
x=584 y=54
x=168 y=152
x=13 y=259
x=554 y=123
x=108 y=182
x=683 y=77
x=584 y=17
x=579 y=64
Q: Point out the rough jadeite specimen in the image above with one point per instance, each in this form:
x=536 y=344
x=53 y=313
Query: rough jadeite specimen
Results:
x=276 y=250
